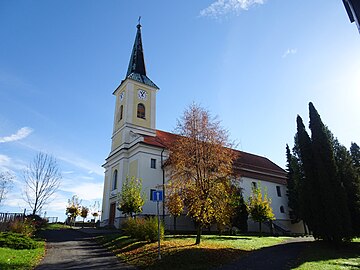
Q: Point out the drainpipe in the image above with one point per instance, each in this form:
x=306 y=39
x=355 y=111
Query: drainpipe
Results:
x=163 y=184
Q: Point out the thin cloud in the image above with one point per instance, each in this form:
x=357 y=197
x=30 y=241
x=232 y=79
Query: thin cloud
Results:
x=224 y=7
x=82 y=164
x=85 y=191
x=288 y=52
x=22 y=133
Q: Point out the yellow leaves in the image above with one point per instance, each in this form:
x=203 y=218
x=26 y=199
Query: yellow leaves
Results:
x=259 y=208
x=175 y=204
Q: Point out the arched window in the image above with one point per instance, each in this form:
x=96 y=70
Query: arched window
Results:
x=282 y=210
x=114 y=186
x=141 y=111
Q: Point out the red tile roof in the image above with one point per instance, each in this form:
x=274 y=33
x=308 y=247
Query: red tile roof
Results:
x=248 y=165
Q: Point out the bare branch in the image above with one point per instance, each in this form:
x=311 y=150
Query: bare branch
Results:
x=42 y=179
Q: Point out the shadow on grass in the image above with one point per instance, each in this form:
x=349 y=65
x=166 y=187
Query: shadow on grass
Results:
x=197 y=258
x=227 y=238
x=208 y=237
x=320 y=251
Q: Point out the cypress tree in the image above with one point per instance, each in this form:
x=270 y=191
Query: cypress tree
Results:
x=350 y=179
x=309 y=199
x=355 y=155
x=335 y=223
x=293 y=186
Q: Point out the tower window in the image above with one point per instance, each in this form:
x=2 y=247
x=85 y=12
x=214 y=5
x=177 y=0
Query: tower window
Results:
x=114 y=184
x=253 y=185
x=121 y=112
x=282 y=210
x=141 y=111
x=278 y=191
x=153 y=163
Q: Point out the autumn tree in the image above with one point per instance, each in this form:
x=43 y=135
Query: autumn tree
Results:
x=131 y=198
x=175 y=205
x=73 y=208
x=201 y=162
x=259 y=207
x=6 y=182
x=42 y=179
x=84 y=213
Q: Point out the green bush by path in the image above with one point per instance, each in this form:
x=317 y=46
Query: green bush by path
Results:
x=143 y=228
x=17 y=241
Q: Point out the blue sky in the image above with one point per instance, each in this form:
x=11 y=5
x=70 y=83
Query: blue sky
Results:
x=254 y=63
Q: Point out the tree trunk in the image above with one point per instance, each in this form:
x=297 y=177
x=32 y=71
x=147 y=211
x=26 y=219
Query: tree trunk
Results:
x=175 y=223
x=198 y=234
x=271 y=227
x=305 y=229
x=260 y=228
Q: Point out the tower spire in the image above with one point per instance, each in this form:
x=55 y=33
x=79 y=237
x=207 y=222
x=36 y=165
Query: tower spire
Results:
x=137 y=63
x=136 y=69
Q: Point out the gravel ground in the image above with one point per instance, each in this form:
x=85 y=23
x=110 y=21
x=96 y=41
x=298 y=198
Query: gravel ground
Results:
x=74 y=249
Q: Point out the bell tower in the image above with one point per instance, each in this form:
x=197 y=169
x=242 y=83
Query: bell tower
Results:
x=135 y=106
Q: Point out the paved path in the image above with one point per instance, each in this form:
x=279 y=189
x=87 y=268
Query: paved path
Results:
x=279 y=257
x=74 y=249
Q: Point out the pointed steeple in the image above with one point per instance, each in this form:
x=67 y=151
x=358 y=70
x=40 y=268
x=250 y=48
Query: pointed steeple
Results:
x=136 y=69
x=137 y=63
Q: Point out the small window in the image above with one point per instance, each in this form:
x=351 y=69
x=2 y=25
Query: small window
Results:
x=282 y=210
x=114 y=186
x=121 y=112
x=141 y=111
x=253 y=185
x=278 y=191
x=153 y=163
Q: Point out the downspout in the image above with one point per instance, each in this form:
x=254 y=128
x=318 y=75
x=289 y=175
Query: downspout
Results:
x=163 y=184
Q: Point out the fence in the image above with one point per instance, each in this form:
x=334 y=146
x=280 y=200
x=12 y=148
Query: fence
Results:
x=7 y=217
x=52 y=219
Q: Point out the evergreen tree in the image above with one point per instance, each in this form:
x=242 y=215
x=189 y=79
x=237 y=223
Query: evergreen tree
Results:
x=355 y=155
x=310 y=204
x=336 y=223
x=293 y=186
x=350 y=179
x=240 y=217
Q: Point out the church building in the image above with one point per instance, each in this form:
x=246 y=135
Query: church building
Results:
x=139 y=150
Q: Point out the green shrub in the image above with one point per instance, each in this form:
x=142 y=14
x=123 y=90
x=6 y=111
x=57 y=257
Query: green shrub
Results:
x=25 y=227
x=37 y=221
x=143 y=228
x=17 y=241
x=151 y=229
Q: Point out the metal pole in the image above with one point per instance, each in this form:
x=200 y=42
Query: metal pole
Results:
x=158 y=228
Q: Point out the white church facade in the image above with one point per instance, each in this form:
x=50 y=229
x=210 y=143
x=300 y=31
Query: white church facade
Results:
x=139 y=150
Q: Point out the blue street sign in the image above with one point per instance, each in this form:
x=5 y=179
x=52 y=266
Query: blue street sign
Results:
x=157 y=195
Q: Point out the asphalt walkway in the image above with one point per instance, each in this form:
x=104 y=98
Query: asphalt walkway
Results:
x=76 y=250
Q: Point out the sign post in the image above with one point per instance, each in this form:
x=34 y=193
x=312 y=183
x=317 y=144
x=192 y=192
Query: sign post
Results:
x=157 y=196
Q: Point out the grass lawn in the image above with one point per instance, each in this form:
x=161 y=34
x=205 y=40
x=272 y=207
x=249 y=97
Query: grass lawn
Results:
x=320 y=255
x=56 y=226
x=20 y=259
x=179 y=252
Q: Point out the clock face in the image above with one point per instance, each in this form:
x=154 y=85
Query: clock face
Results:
x=142 y=94
x=121 y=96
